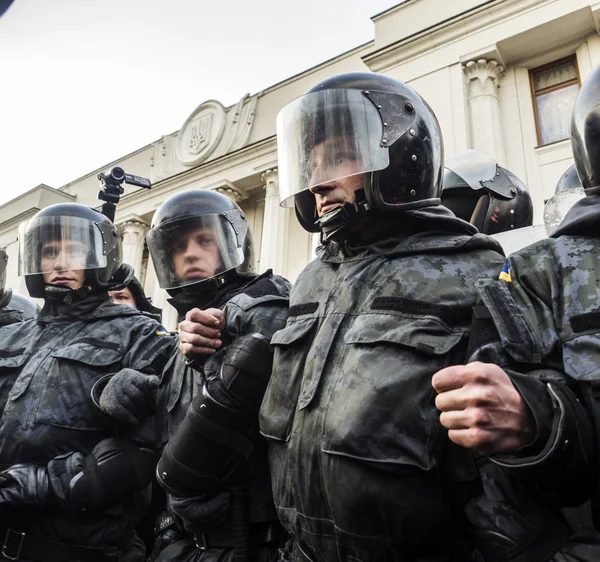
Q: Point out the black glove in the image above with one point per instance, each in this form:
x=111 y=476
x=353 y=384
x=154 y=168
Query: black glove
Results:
x=129 y=396
x=201 y=513
x=24 y=485
x=109 y=474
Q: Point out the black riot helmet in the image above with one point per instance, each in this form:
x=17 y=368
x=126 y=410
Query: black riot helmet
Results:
x=585 y=131
x=199 y=240
x=569 y=180
x=359 y=123
x=480 y=191
x=568 y=191
x=69 y=236
x=27 y=306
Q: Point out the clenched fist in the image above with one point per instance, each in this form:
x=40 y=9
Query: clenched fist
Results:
x=482 y=409
x=200 y=332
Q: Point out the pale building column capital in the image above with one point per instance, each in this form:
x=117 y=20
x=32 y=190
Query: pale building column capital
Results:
x=485 y=122
x=271 y=180
x=133 y=231
x=482 y=77
x=133 y=228
x=236 y=195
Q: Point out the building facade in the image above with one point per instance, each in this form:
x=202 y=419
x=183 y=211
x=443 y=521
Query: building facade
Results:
x=501 y=76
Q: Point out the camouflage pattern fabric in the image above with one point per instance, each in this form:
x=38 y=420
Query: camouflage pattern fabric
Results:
x=545 y=310
x=361 y=466
x=47 y=369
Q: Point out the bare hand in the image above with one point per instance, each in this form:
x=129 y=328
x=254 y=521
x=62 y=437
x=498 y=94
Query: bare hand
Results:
x=482 y=409
x=200 y=332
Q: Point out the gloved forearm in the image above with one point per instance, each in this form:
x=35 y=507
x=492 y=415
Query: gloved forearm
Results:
x=25 y=485
x=114 y=469
x=560 y=459
x=128 y=396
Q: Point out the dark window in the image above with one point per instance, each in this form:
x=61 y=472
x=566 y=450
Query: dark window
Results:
x=554 y=87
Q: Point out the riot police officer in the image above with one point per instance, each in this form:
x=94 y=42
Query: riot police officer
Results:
x=73 y=482
x=361 y=468
x=539 y=341
x=477 y=189
x=214 y=466
x=132 y=294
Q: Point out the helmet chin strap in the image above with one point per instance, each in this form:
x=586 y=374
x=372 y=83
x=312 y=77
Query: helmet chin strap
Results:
x=339 y=222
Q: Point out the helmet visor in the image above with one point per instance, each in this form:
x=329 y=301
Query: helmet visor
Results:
x=471 y=166
x=325 y=136
x=193 y=249
x=62 y=243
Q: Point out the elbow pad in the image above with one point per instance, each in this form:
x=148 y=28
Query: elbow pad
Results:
x=214 y=437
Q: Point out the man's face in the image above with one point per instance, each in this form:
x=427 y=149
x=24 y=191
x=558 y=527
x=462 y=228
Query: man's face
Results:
x=123 y=296
x=63 y=262
x=196 y=256
x=331 y=194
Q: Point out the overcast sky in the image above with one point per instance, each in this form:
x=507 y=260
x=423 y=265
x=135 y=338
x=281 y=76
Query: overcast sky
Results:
x=85 y=82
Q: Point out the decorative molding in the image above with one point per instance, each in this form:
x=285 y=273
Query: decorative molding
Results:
x=230 y=190
x=240 y=119
x=133 y=229
x=271 y=181
x=164 y=161
x=232 y=194
x=482 y=78
x=490 y=52
x=211 y=131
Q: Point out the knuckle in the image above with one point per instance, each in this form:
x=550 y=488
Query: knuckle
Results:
x=478 y=437
x=479 y=418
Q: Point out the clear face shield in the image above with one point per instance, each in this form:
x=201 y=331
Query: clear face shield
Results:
x=63 y=243
x=478 y=171
x=194 y=249
x=325 y=136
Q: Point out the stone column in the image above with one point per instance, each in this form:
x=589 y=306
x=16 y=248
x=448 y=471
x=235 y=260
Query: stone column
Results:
x=275 y=226
x=484 y=107
x=133 y=232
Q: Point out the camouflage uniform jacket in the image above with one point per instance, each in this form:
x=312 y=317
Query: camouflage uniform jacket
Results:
x=47 y=369
x=358 y=456
x=545 y=330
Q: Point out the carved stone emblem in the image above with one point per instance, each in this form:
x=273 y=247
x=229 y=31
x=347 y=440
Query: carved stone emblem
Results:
x=201 y=133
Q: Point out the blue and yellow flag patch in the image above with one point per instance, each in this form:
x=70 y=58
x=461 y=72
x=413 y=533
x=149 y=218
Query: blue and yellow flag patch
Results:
x=162 y=331
x=505 y=273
